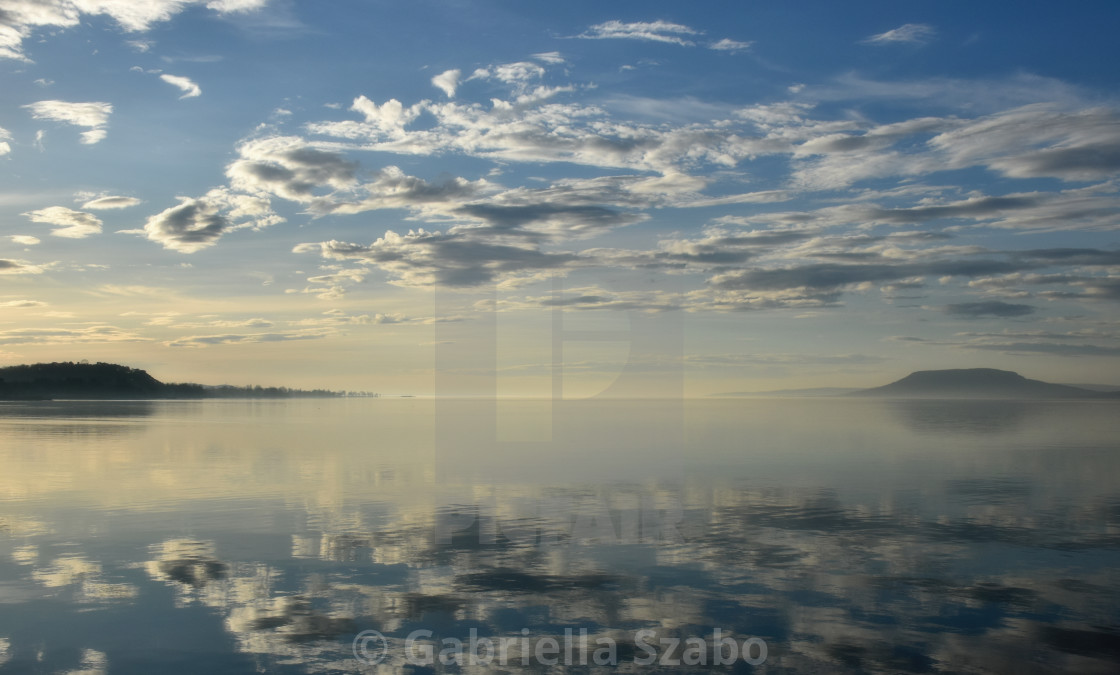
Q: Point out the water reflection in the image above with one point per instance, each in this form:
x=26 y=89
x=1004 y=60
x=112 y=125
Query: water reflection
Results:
x=99 y=410
x=981 y=416
x=847 y=537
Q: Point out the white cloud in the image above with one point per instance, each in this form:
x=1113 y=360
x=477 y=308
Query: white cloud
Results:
x=110 y=202
x=540 y=131
x=70 y=224
x=185 y=84
x=5 y=136
x=551 y=58
x=235 y=6
x=912 y=33
x=655 y=31
x=22 y=17
x=93 y=115
x=447 y=81
x=729 y=45
x=520 y=75
x=390 y=117
x=24 y=240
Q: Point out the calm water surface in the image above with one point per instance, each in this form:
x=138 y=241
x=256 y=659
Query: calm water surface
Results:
x=845 y=535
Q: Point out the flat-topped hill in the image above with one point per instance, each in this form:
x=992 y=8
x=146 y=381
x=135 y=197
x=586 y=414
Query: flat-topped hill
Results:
x=976 y=383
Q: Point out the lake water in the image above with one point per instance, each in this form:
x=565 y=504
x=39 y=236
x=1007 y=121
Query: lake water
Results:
x=796 y=535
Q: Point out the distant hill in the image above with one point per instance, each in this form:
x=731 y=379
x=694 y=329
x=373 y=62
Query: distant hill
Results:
x=67 y=380
x=1094 y=387
x=977 y=383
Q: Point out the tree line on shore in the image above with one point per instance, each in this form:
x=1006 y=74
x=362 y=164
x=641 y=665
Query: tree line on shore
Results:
x=71 y=380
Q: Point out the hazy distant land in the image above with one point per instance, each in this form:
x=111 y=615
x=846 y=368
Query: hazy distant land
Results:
x=959 y=383
x=68 y=380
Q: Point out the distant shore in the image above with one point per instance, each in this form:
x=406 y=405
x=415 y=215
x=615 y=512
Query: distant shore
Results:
x=110 y=381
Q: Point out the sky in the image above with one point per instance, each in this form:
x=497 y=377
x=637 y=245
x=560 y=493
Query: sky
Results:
x=538 y=199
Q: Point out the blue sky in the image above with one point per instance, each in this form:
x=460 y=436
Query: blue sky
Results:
x=812 y=194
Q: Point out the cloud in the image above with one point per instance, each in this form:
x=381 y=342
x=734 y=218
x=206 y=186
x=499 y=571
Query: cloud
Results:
x=18 y=267
x=196 y=223
x=525 y=220
x=447 y=82
x=520 y=75
x=185 y=84
x=993 y=308
x=1057 y=349
x=94 y=116
x=1083 y=209
x=1033 y=141
x=867 y=260
x=110 y=202
x=247 y=338
x=1039 y=140
x=1080 y=343
x=389 y=118
x=538 y=131
x=654 y=31
x=648 y=157
x=70 y=224
x=99 y=333
x=596 y=298
x=169 y=320
x=290 y=168
x=973 y=95
x=22 y=303
x=911 y=33
x=731 y=360
x=832 y=277
x=5 y=136
x=551 y=58
x=537 y=221
x=337 y=317
x=453 y=259
x=19 y=20
x=729 y=45
x=24 y=239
